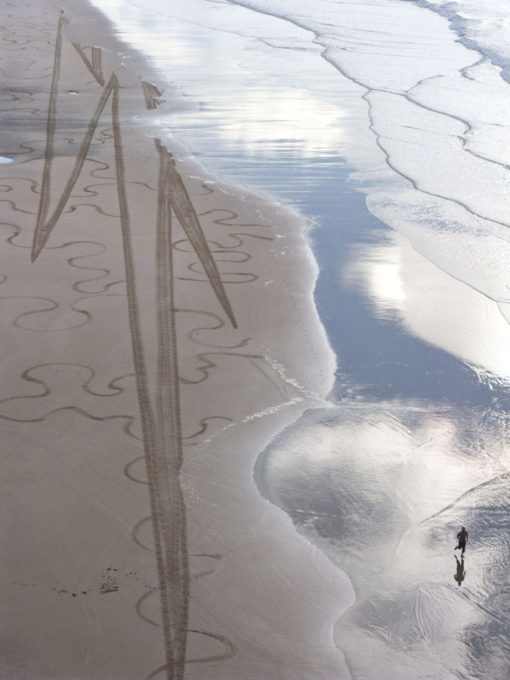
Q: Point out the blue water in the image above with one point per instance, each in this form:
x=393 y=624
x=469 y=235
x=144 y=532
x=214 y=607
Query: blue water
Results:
x=416 y=439
x=377 y=357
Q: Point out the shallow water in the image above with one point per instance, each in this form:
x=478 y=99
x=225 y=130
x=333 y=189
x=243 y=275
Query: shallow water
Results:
x=415 y=444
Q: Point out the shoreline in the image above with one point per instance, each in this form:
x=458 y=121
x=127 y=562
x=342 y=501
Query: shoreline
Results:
x=241 y=564
x=160 y=397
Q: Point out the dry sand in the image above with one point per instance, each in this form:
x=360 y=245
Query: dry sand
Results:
x=158 y=329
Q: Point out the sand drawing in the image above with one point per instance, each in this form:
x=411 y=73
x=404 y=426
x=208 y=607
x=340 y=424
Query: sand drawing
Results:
x=95 y=63
x=150 y=261
x=160 y=413
x=153 y=96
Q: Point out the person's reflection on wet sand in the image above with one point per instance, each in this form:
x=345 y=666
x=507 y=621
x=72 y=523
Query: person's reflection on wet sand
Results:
x=461 y=574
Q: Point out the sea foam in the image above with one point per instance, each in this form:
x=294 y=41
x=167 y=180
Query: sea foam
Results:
x=433 y=156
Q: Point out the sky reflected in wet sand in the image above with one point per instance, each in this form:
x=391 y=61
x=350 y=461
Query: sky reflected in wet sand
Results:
x=415 y=444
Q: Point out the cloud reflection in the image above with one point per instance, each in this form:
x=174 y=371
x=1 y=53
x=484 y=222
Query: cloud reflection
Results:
x=233 y=68
x=264 y=120
x=433 y=305
x=383 y=488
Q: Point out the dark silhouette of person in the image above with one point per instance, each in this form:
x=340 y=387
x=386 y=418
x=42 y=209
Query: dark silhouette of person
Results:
x=462 y=537
x=461 y=574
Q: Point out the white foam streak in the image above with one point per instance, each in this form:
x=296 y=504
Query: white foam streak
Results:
x=434 y=155
x=422 y=118
x=486 y=23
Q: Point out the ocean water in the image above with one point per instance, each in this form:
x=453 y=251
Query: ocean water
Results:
x=386 y=122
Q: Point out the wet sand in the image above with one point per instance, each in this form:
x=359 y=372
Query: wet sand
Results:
x=161 y=349
x=158 y=329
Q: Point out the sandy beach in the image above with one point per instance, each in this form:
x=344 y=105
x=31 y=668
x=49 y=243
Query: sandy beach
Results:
x=158 y=329
x=254 y=314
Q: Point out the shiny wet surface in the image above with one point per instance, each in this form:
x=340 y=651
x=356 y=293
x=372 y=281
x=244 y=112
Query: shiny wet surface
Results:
x=416 y=443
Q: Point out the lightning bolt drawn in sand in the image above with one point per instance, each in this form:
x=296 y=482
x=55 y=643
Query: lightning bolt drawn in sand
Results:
x=160 y=412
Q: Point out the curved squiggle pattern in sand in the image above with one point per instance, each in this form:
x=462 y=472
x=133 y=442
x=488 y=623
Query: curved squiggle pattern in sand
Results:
x=232 y=215
x=198 y=575
x=33 y=185
x=50 y=399
x=89 y=189
x=136 y=533
x=76 y=206
x=131 y=475
x=79 y=285
x=103 y=167
x=218 y=324
x=159 y=404
x=75 y=409
x=52 y=306
x=229 y=653
x=184 y=246
x=207 y=365
x=230 y=253
x=204 y=426
x=102 y=272
x=15 y=208
x=243 y=277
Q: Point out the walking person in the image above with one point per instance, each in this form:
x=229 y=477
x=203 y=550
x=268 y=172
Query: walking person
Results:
x=462 y=537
